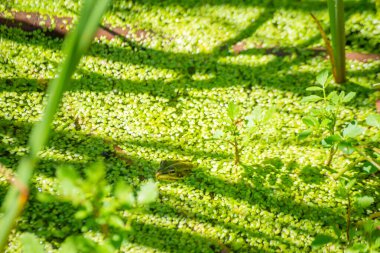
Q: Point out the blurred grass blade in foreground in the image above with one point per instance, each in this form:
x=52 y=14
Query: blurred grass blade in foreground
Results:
x=74 y=47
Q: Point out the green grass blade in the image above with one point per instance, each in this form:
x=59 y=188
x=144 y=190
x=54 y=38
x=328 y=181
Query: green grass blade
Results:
x=74 y=47
x=336 y=13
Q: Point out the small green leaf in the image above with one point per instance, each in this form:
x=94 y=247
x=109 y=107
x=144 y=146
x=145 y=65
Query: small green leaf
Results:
x=303 y=135
x=331 y=140
x=95 y=172
x=353 y=130
x=365 y=201
x=68 y=246
x=321 y=240
x=148 y=193
x=124 y=194
x=337 y=231
x=322 y=77
x=310 y=121
x=31 y=243
x=76 y=244
x=81 y=214
x=334 y=98
x=349 y=97
x=356 y=248
x=369 y=168
x=346 y=147
x=314 y=88
x=373 y=120
x=350 y=184
x=325 y=123
x=311 y=98
x=233 y=111
x=69 y=182
x=116 y=221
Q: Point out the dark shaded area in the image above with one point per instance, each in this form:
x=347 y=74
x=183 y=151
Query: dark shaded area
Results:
x=59 y=26
x=34 y=21
x=166 y=239
x=312 y=175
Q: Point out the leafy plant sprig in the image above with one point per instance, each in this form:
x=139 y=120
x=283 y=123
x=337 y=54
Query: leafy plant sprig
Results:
x=367 y=149
x=241 y=130
x=100 y=207
x=365 y=229
x=323 y=119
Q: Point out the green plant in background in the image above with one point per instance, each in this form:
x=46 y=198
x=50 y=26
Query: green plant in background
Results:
x=75 y=46
x=366 y=229
x=101 y=207
x=348 y=142
x=240 y=131
x=322 y=120
x=336 y=13
x=336 y=52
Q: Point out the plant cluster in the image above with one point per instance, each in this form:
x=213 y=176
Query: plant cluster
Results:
x=367 y=229
x=101 y=208
x=323 y=120
x=241 y=131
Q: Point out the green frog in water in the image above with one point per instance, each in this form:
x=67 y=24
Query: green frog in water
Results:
x=173 y=170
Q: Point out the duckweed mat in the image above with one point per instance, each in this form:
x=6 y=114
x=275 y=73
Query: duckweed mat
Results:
x=163 y=98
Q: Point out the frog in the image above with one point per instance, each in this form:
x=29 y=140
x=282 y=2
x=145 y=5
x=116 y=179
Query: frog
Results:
x=171 y=170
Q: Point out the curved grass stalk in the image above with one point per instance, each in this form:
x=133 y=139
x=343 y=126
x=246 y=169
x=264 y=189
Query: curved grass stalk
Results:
x=328 y=46
x=74 y=47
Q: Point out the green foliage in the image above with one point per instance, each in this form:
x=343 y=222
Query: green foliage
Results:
x=366 y=229
x=373 y=120
x=31 y=244
x=159 y=98
x=322 y=240
x=242 y=130
x=322 y=120
x=75 y=46
x=99 y=208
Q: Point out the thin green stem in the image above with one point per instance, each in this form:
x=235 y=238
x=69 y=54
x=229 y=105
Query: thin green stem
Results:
x=237 y=151
x=332 y=152
x=368 y=158
x=324 y=94
x=348 y=219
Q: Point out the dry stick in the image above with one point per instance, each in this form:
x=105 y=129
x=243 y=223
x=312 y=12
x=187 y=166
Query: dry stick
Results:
x=329 y=49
